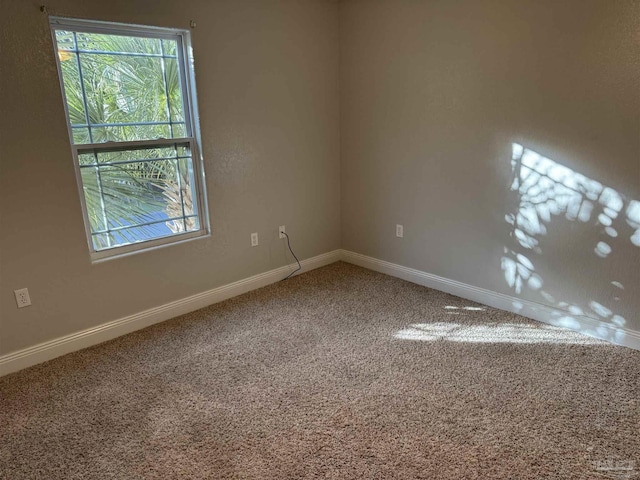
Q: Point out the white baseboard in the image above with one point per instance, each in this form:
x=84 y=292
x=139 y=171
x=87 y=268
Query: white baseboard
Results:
x=43 y=352
x=542 y=313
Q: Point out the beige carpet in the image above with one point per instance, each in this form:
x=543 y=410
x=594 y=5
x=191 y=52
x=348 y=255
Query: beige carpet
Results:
x=339 y=373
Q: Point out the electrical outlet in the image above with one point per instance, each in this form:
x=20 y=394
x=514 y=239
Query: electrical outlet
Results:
x=254 y=239
x=281 y=231
x=399 y=231
x=22 y=297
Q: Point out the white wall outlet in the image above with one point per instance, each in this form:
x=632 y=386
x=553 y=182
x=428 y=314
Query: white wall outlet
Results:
x=22 y=297
x=281 y=231
x=399 y=231
x=254 y=239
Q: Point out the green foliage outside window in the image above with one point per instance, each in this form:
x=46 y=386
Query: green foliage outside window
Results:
x=123 y=89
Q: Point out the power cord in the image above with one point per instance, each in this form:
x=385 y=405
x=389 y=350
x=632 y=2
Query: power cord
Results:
x=294 y=256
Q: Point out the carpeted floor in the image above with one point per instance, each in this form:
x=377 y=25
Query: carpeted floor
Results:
x=340 y=373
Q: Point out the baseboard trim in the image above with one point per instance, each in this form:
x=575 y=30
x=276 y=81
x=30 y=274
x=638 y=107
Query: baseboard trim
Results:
x=542 y=313
x=12 y=362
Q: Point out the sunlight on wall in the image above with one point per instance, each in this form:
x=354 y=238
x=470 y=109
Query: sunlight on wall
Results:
x=548 y=190
x=493 y=333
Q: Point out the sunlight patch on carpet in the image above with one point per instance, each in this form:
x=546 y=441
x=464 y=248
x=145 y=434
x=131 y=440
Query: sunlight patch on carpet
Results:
x=493 y=333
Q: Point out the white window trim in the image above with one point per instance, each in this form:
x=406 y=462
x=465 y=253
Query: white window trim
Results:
x=187 y=75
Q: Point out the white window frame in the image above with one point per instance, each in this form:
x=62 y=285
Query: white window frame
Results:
x=187 y=79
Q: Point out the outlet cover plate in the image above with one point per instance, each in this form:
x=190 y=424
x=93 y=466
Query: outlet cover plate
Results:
x=22 y=297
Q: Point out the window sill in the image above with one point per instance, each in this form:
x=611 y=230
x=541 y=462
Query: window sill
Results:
x=141 y=247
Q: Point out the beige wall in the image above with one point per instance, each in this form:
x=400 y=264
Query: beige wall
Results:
x=410 y=119
x=433 y=95
x=267 y=78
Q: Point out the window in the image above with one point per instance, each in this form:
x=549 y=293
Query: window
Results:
x=130 y=99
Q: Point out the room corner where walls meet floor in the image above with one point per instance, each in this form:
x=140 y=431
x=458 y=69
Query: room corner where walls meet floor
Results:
x=49 y=350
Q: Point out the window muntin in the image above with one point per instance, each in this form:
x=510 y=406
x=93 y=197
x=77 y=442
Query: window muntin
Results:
x=128 y=96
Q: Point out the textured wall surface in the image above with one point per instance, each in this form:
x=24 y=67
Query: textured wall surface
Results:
x=505 y=137
x=267 y=79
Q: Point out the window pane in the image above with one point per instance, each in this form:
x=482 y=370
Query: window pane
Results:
x=179 y=130
x=137 y=234
x=146 y=153
x=188 y=185
x=124 y=88
x=174 y=89
x=86 y=159
x=137 y=195
x=116 y=43
x=169 y=47
x=93 y=200
x=81 y=135
x=65 y=40
x=101 y=241
x=73 y=92
x=123 y=93
x=195 y=225
x=127 y=133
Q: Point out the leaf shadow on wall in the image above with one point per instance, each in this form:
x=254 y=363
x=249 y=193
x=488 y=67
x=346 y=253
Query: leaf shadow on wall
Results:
x=602 y=222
